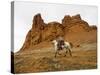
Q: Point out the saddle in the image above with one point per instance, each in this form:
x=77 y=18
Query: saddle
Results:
x=60 y=44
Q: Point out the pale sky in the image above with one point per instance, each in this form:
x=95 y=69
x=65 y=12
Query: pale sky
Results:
x=25 y=11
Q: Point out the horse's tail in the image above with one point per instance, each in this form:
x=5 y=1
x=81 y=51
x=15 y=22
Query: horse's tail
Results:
x=71 y=45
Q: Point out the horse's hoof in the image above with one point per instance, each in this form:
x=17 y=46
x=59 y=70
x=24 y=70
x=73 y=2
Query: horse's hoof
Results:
x=59 y=54
x=71 y=55
x=64 y=55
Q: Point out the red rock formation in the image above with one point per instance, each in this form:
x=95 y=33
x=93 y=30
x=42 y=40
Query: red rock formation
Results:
x=52 y=30
x=76 y=17
x=66 y=21
x=34 y=36
x=69 y=21
x=38 y=22
x=45 y=32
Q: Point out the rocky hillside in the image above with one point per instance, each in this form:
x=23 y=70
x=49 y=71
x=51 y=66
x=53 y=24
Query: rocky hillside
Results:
x=72 y=28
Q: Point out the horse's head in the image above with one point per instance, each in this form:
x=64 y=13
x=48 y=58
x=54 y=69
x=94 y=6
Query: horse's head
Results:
x=54 y=41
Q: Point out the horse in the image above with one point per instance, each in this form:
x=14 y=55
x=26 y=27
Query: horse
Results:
x=67 y=45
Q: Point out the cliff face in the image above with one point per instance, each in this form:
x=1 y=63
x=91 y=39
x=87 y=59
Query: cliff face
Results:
x=46 y=32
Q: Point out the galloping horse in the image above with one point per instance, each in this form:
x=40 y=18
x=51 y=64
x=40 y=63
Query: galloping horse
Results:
x=59 y=47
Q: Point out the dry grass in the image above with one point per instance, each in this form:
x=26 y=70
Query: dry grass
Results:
x=43 y=60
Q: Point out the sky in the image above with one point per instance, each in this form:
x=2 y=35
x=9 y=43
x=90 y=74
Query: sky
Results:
x=25 y=11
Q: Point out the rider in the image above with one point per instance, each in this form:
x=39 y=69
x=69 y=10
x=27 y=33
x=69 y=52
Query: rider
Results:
x=60 y=43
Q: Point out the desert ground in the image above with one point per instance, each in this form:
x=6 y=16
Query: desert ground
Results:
x=43 y=60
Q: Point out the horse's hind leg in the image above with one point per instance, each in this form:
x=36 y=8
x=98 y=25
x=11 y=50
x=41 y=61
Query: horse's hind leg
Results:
x=70 y=52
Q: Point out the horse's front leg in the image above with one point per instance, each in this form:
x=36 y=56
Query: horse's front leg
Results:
x=56 y=53
x=59 y=52
x=66 y=52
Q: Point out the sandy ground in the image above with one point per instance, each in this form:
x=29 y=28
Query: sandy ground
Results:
x=43 y=60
